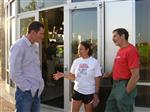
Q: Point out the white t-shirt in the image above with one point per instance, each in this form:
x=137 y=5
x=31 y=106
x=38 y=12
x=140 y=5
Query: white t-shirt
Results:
x=85 y=71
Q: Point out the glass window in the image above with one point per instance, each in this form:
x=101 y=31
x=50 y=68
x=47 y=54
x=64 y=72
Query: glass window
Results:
x=12 y=9
x=143 y=37
x=48 y=3
x=24 y=24
x=143 y=45
x=29 y=5
x=84 y=29
x=81 y=0
x=12 y=31
x=53 y=56
x=26 y=5
x=143 y=97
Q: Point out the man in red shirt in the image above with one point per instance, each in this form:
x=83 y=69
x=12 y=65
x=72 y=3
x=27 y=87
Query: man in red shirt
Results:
x=125 y=74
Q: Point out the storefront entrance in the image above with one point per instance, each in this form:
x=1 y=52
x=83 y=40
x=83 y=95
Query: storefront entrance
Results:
x=52 y=56
x=90 y=20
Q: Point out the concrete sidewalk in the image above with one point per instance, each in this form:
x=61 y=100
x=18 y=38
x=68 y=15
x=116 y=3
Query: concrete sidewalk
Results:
x=7 y=102
x=6 y=106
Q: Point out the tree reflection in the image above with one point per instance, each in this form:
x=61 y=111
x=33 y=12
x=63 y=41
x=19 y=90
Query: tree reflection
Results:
x=29 y=7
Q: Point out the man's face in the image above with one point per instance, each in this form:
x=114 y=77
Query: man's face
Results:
x=39 y=35
x=117 y=39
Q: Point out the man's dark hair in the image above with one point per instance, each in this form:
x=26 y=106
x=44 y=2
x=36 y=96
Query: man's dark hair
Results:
x=35 y=26
x=122 y=31
x=87 y=45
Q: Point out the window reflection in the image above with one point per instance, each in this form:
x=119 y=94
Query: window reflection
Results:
x=143 y=98
x=143 y=45
x=143 y=37
x=24 y=24
x=81 y=0
x=84 y=29
x=26 y=5
x=29 y=5
x=48 y=3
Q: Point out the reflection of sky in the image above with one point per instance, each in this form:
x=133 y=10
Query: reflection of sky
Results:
x=84 y=23
x=40 y=3
x=81 y=0
x=24 y=3
x=143 y=21
x=52 y=2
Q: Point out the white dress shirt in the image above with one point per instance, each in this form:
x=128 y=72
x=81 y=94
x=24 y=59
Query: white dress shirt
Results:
x=25 y=67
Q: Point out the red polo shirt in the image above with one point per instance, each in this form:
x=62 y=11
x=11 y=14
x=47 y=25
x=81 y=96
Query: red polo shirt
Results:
x=127 y=58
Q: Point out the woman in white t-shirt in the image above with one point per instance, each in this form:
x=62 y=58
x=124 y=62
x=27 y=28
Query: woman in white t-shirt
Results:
x=85 y=72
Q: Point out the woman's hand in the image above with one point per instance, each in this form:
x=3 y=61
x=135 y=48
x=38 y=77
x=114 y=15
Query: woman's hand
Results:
x=107 y=75
x=58 y=75
x=95 y=100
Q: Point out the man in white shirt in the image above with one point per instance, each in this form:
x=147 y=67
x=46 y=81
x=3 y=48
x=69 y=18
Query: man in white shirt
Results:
x=25 y=69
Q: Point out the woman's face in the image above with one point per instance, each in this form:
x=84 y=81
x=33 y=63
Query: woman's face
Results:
x=82 y=51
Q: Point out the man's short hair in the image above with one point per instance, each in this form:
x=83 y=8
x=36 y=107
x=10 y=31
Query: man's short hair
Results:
x=122 y=31
x=35 y=25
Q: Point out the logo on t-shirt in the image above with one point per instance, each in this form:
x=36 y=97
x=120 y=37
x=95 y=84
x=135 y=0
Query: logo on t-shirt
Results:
x=117 y=57
x=83 y=69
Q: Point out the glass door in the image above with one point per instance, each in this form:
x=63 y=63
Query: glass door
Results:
x=78 y=28
x=143 y=44
x=52 y=56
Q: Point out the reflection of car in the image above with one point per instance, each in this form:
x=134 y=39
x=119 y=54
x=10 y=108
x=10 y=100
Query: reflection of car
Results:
x=144 y=51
